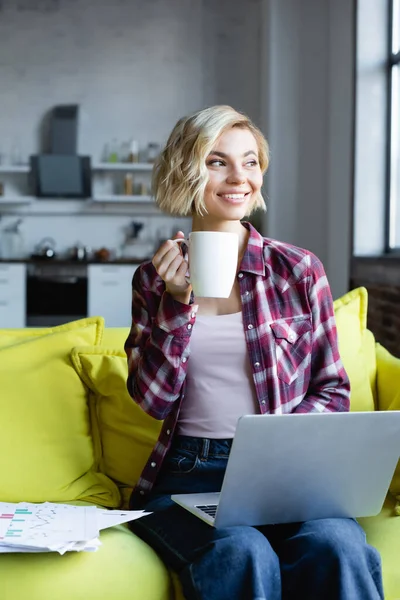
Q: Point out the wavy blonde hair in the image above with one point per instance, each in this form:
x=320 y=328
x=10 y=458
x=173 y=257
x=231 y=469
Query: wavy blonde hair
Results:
x=180 y=173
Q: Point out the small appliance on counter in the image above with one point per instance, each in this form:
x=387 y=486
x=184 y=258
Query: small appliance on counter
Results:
x=80 y=253
x=136 y=245
x=12 y=242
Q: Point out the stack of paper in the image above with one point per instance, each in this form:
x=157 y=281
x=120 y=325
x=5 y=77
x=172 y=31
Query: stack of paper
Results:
x=48 y=527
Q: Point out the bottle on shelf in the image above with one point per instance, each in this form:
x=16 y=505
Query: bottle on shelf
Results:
x=134 y=151
x=113 y=151
x=152 y=152
x=128 y=184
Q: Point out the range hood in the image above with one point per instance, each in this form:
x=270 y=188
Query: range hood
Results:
x=61 y=172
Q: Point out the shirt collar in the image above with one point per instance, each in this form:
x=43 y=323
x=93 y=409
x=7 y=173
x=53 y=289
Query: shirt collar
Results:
x=253 y=258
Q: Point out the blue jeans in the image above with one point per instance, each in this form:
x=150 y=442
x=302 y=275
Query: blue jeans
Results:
x=325 y=559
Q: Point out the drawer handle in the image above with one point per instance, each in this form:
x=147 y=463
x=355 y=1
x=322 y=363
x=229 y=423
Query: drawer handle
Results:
x=110 y=269
x=3 y=303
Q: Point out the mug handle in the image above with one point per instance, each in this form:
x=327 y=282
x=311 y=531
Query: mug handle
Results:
x=179 y=240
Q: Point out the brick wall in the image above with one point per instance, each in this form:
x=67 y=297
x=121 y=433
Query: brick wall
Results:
x=381 y=277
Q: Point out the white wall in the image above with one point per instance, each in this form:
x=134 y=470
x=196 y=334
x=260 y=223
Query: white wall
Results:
x=133 y=67
x=307 y=112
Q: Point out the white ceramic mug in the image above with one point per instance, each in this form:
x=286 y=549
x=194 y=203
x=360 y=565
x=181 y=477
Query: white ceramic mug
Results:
x=213 y=257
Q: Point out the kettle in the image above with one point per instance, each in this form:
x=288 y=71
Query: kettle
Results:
x=46 y=248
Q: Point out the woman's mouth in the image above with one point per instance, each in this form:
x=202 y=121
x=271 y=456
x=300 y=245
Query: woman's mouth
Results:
x=235 y=198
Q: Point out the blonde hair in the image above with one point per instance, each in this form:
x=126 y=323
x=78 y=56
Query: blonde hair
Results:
x=180 y=173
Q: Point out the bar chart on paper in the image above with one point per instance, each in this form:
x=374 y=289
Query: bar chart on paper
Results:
x=12 y=521
x=41 y=523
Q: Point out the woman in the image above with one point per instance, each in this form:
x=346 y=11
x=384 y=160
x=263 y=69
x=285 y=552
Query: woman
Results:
x=200 y=363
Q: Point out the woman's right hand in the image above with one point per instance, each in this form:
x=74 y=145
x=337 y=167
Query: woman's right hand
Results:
x=172 y=268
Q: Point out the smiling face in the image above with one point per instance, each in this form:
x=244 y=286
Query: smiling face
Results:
x=235 y=176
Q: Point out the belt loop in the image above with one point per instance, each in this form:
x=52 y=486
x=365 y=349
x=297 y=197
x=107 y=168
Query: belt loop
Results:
x=205 y=449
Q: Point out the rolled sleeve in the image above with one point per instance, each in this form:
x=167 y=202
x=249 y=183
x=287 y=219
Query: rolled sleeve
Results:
x=157 y=348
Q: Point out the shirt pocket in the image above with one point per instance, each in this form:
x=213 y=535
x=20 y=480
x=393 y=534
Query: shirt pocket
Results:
x=293 y=344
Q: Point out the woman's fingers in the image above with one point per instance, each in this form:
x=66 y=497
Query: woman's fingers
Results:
x=173 y=269
x=181 y=272
x=166 y=254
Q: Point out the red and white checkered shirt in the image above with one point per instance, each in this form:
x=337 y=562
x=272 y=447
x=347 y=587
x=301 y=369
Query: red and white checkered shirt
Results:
x=290 y=333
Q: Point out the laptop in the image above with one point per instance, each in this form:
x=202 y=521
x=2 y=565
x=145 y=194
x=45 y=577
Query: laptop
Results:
x=298 y=467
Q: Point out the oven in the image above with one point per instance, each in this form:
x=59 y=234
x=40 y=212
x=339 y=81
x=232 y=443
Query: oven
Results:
x=55 y=293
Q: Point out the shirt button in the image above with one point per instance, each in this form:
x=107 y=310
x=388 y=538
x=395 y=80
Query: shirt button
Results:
x=153 y=464
x=193 y=315
x=262 y=401
x=141 y=492
x=250 y=326
x=168 y=431
x=184 y=359
x=257 y=364
x=246 y=293
x=291 y=338
x=240 y=275
x=189 y=326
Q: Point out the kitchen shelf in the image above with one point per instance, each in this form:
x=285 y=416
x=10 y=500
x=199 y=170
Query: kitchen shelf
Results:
x=14 y=168
x=16 y=199
x=122 y=166
x=123 y=198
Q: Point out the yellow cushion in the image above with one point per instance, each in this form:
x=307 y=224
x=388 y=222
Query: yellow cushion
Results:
x=383 y=532
x=46 y=449
x=355 y=347
x=126 y=434
x=11 y=337
x=124 y=568
x=388 y=386
x=114 y=337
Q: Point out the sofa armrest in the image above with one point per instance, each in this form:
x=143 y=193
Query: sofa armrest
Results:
x=388 y=392
x=387 y=379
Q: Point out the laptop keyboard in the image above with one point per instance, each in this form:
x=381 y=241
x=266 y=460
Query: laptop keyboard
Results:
x=209 y=509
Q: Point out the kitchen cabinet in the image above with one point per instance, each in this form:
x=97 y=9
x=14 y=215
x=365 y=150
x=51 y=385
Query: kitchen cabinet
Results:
x=110 y=293
x=12 y=295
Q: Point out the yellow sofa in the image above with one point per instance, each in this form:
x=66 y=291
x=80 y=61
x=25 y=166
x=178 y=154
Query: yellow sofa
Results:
x=70 y=433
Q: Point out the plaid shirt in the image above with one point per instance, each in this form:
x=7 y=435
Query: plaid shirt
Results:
x=289 y=328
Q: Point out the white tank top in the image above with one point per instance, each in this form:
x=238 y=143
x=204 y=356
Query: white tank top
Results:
x=220 y=385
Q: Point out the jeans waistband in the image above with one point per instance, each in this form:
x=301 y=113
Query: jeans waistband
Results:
x=203 y=447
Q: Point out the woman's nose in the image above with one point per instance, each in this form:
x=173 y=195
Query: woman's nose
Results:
x=236 y=175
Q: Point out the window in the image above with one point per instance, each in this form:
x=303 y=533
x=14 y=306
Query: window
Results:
x=394 y=128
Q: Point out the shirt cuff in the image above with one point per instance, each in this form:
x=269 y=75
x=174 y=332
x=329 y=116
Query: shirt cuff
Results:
x=175 y=317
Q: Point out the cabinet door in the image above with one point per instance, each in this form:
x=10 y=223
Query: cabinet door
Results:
x=110 y=293
x=12 y=295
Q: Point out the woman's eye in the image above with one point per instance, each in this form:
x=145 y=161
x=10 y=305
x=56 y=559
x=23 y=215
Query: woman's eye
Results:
x=216 y=163
x=252 y=163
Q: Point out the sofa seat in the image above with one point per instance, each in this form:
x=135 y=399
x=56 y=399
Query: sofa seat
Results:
x=123 y=568
x=383 y=532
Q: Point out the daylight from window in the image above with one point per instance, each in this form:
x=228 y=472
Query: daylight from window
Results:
x=394 y=217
